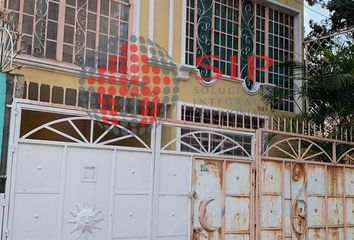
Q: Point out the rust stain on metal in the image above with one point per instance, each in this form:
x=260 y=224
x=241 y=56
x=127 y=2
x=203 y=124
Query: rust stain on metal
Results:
x=335 y=178
x=203 y=217
x=216 y=168
x=317 y=234
x=299 y=206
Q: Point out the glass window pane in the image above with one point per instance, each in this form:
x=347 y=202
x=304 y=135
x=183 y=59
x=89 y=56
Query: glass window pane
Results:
x=28 y=6
x=69 y=34
x=103 y=42
x=68 y=53
x=105 y=7
x=53 y=11
x=70 y=15
x=14 y=5
x=91 y=40
x=114 y=26
x=102 y=59
x=124 y=30
x=90 y=58
x=91 y=23
x=26 y=44
x=113 y=45
x=27 y=26
x=71 y=2
x=52 y=30
x=115 y=9
x=124 y=13
x=104 y=25
x=51 y=50
x=92 y=5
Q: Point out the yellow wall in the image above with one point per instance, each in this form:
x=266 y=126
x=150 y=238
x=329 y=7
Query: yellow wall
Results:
x=224 y=94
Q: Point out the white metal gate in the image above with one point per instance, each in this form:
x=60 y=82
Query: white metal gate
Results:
x=200 y=184
x=87 y=189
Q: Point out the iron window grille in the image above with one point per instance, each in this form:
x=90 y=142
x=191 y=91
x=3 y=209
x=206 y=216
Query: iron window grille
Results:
x=81 y=32
x=238 y=29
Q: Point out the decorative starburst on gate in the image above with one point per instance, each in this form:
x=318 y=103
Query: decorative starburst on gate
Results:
x=86 y=219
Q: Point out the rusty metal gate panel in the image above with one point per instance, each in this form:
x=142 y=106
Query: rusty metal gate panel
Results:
x=300 y=197
x=223 y=195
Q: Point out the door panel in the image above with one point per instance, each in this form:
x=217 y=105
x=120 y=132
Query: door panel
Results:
x=87 y=194
x=36 y=201
x=223 y=195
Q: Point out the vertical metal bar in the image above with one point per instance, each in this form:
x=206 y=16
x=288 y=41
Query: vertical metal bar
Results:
x=283 y=199
x=112 y=189
x=326 y=200
x=27 y=89
x=308 y=128
x=344 y=204
x=291 y=125
x=154 y=193
x=64 y=95
x=278 y=123
x=91 y=131
x=220 y=124
x=125 y=105
x=258 y=189
x=253 y=176
x=77 y=98
x=195 y=28
x=266 y=45
x=194 y=110
x=223 y=185
x=227 y=118
x=239 y=37
x=62 y=191
x=306 y=200
x=184 y=113
x=61 y=20
x=243 y=120
x=334 y=152
x=39 y=92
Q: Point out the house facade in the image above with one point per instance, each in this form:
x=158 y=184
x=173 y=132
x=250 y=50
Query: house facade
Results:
x=142 y=119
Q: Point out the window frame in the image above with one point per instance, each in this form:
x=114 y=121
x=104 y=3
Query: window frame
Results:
x=297 y=40
x=58 y=63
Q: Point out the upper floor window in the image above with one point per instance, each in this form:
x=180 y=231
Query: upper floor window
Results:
x=224 y=33
x=81 y=32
